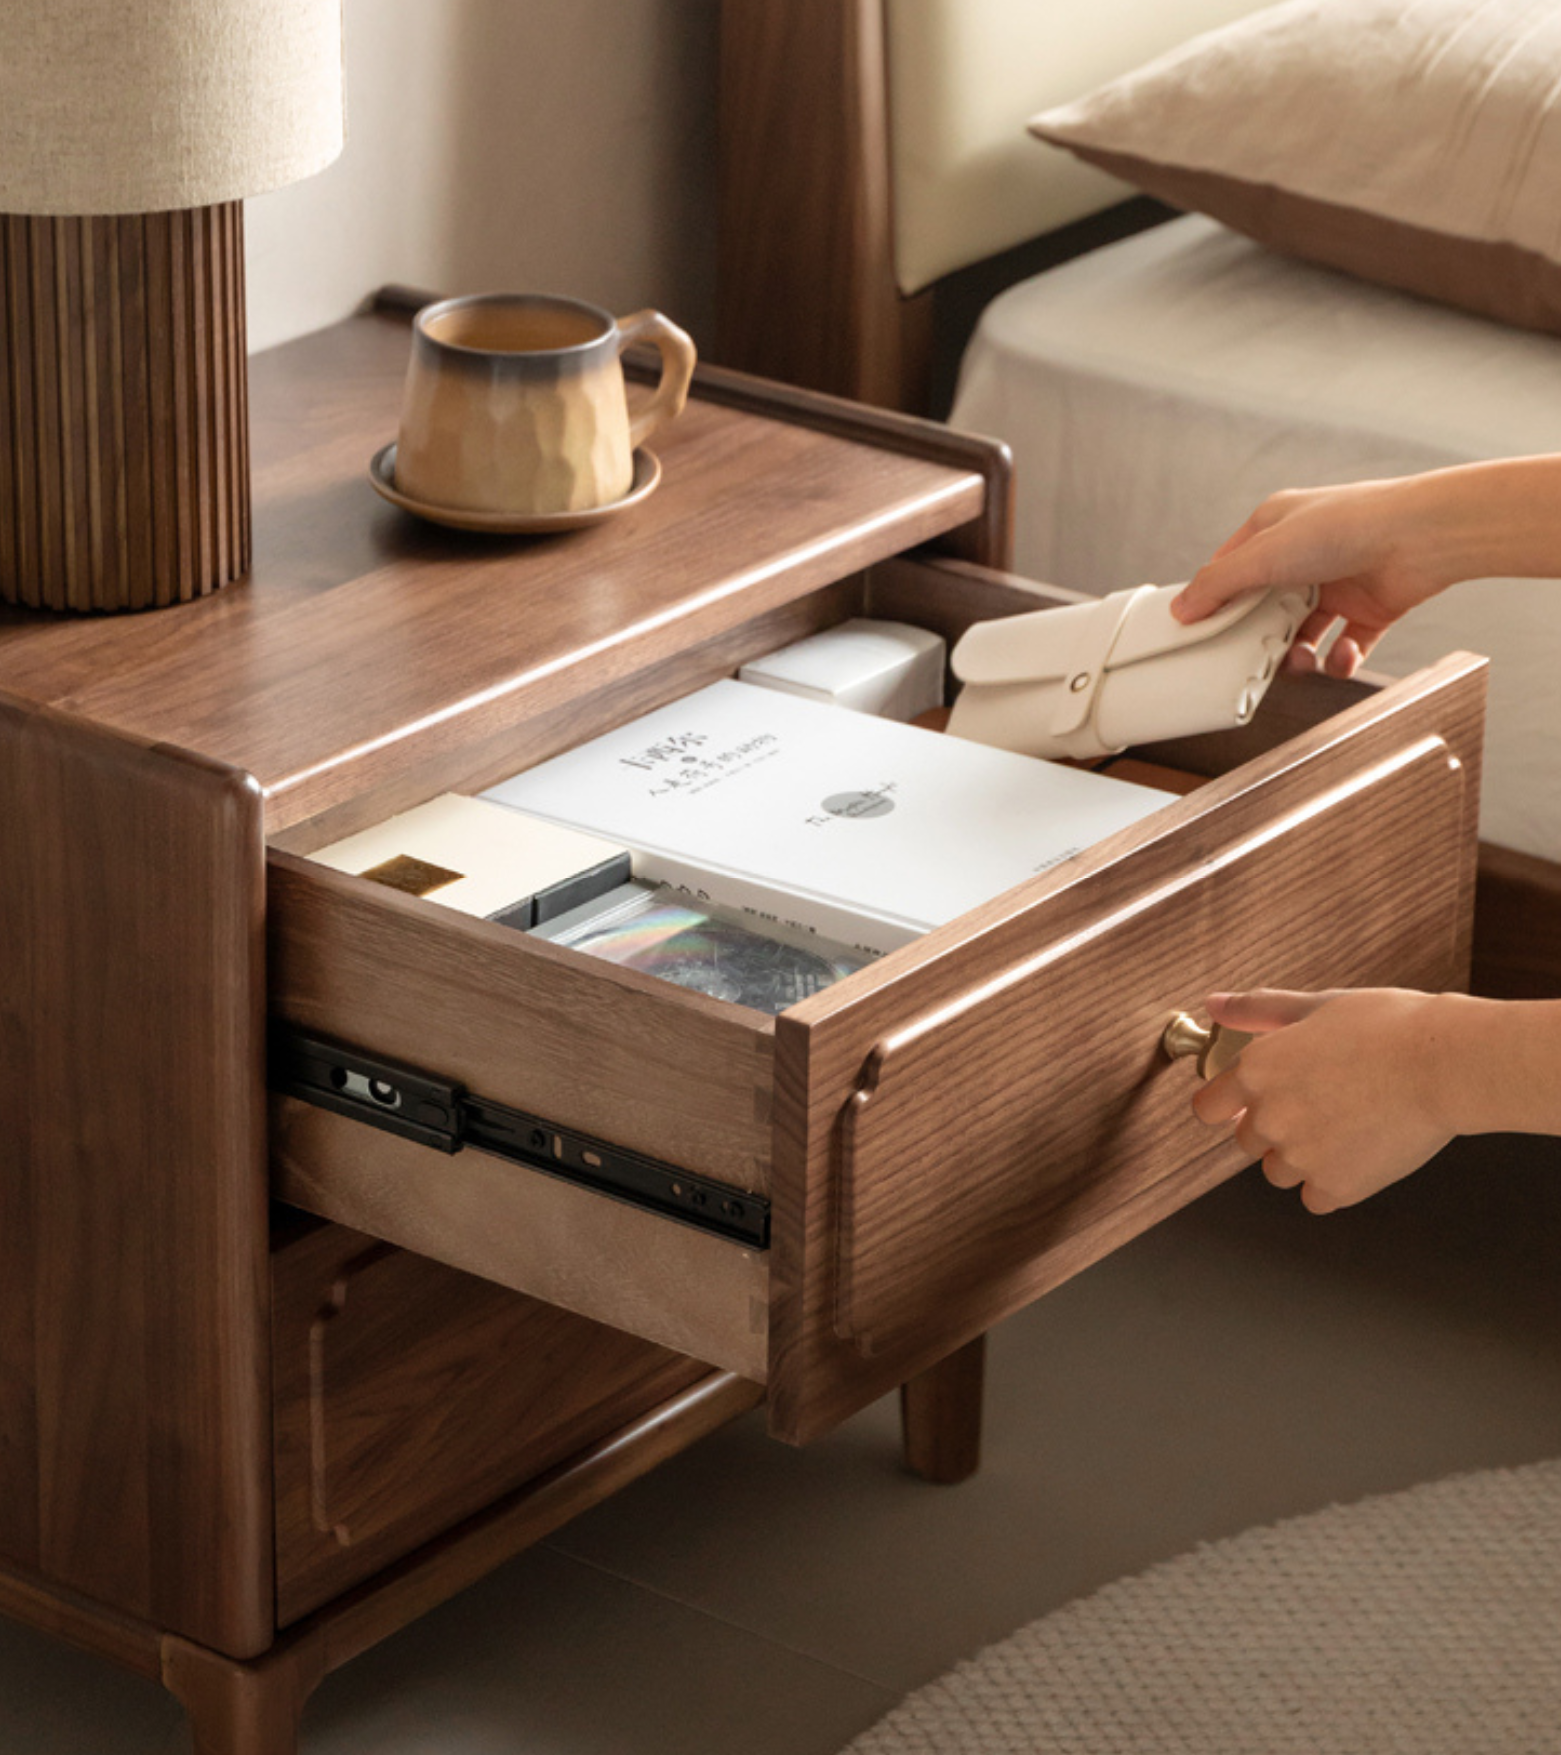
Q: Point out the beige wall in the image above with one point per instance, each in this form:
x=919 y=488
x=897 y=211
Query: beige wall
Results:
x=554 y=145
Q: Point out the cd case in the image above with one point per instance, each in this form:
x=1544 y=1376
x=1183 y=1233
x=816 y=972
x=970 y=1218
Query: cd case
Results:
x=701 y=946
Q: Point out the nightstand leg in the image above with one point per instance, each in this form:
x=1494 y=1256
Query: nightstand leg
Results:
x=940 y=1412
x=242 y=1708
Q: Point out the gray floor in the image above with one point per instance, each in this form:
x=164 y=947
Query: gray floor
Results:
x=1243 y=1363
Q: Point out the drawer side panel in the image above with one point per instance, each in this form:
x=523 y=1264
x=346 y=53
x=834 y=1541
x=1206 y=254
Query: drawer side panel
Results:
x=668 y=1282
x=628 y=1059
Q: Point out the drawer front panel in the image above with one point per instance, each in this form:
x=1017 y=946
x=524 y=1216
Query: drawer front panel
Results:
x=1013 y=1136
x=408 y=1396
x=964 y=1126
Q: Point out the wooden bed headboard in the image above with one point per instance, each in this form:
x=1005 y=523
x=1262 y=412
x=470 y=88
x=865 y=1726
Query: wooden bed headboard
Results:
x=871 y=147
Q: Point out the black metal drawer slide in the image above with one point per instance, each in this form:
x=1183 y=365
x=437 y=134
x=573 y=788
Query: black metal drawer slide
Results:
x=434 y=1112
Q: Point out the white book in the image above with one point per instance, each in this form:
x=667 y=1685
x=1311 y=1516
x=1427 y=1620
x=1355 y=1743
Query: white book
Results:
x=901 y=828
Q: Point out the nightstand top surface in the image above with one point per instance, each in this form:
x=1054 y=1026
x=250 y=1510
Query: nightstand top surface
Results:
x=360 y=626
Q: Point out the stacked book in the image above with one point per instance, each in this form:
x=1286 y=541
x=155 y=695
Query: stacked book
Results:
x=859 y=828
x=746 y=842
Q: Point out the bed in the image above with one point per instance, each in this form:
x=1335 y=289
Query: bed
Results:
x=891 y=232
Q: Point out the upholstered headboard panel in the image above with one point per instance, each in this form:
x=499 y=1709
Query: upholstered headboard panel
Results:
x=871 y=147
x=965 y=76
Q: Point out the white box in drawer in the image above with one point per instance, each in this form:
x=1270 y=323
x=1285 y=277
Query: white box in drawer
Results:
x=870 y=666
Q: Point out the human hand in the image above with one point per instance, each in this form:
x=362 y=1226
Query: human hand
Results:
x=1354 y=542
x=1337 y=1095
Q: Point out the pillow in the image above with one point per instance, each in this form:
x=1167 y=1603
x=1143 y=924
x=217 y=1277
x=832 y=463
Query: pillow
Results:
x=1416 y=143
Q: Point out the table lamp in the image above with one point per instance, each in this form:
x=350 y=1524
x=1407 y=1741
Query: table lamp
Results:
x=130 y=131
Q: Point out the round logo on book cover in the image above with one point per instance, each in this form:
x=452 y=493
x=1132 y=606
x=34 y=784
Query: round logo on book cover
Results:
x=859 y=804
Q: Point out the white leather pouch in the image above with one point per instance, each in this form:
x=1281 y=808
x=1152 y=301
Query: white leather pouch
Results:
x=1089 y=679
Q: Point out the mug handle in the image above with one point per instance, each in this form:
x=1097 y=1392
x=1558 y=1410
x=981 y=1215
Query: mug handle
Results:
x=677 y=369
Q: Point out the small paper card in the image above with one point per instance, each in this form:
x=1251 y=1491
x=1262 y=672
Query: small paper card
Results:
x=480 y=859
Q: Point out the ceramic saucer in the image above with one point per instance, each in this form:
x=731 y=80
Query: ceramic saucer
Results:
x=382 y=473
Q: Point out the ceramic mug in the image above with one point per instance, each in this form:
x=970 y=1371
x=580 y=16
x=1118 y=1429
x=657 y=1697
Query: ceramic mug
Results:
x=514 y=403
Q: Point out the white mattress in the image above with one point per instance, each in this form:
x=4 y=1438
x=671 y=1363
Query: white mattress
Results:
x=1155 y=391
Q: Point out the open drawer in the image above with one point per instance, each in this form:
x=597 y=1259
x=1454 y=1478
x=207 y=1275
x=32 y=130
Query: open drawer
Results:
x=937 y=1139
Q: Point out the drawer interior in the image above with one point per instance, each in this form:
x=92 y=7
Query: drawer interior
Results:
x=940 y=1136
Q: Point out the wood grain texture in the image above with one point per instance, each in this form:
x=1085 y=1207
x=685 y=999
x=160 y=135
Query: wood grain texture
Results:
x=451 y=764
x=807 y=291
x=805 y=166
x=669 y=1283
x=949 y=594
x=451 y=1562
x=986 y=539
x=409 y=1395
x=124 y=437
x=252 y=1707
x=936 y=1097
x=243 y=1708
x=366 y=644
x=997 y=1143
x=132 y=1178
x=940 y=1412
x=1517 y=926
x=606 y=1051
x=132 y=1644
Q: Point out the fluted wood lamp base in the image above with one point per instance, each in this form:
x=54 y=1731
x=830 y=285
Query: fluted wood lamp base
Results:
x=124 y=422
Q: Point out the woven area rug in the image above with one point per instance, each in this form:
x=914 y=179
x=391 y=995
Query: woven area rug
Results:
x=1426 y=1622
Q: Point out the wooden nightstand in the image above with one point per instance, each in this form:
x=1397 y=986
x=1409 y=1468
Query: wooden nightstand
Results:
x=242 y=1440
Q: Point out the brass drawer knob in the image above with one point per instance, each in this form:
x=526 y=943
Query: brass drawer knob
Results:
x=1215 y=1046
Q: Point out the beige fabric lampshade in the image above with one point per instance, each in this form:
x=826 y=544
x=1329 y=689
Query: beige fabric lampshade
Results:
x=140 y=106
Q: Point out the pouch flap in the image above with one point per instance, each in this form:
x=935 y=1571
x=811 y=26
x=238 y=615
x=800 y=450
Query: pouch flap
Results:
x=1044 y=645
x=1152 y=630
x=1124 y=628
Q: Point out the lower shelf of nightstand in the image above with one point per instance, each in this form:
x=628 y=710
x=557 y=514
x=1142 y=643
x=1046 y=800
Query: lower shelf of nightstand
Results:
x=253 y=1707
x=408 y=1396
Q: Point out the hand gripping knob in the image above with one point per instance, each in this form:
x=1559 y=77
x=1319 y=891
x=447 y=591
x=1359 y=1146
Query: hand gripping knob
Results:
x=1215 y=1046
